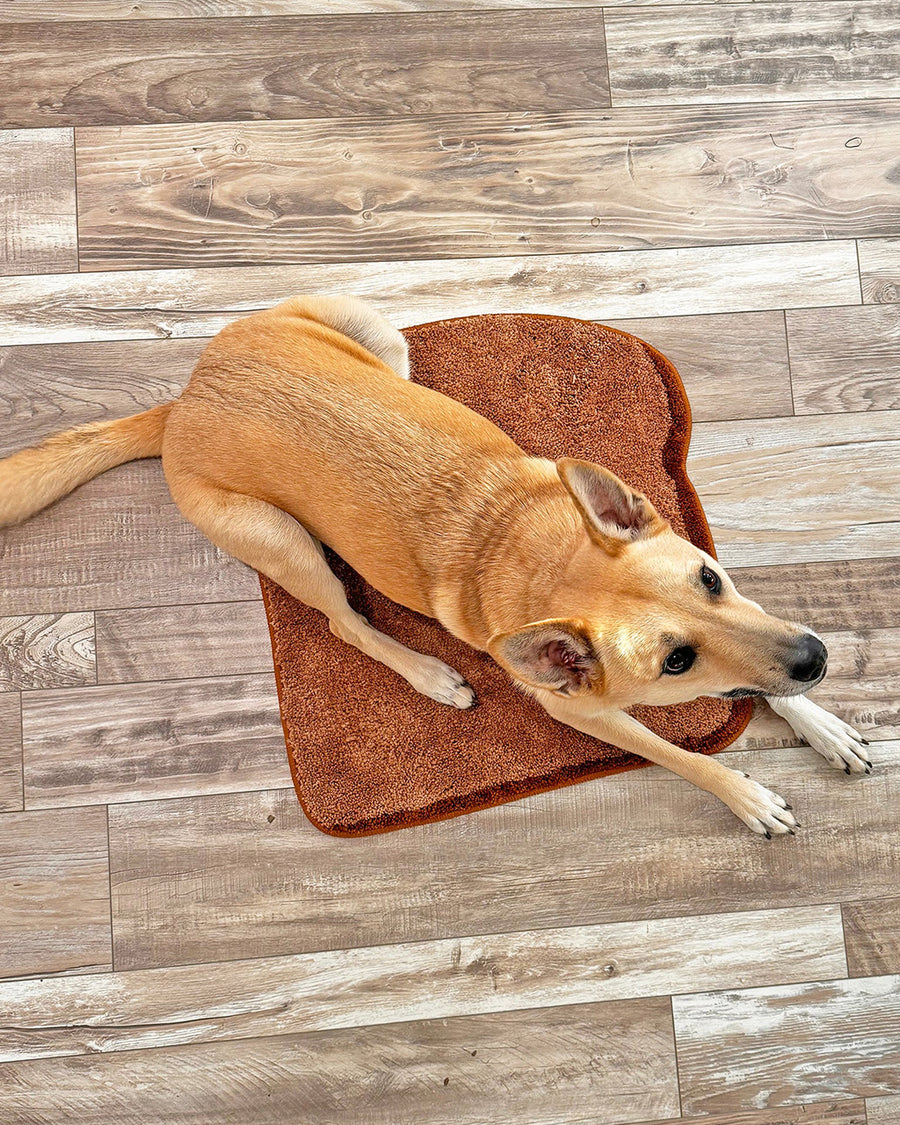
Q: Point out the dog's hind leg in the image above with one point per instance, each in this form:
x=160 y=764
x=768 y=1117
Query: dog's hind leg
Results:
x=274 y=543
x=360 y=321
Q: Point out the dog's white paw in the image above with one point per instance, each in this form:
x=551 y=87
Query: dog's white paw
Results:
x=442 y=683
x=839 y=744
x=763 y=811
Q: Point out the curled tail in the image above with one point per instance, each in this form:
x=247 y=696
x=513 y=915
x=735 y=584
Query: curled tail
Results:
x=34 y=478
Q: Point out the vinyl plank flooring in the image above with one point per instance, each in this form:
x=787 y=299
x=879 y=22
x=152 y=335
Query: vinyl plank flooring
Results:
x=47 y=651
x=813 y=489
x=144 y=71
x=10 y=753
x=754 y=52
x=489 y=184
x=54 y=892
x=246 y=875
x=146 y=304
x=872 y=931
x=513 y=1068
x=850 y=1111
x=879 y=267
x=845 y=359
x=883 y=1111
x=37 y=190
x=787 y=1045
x=140 y=741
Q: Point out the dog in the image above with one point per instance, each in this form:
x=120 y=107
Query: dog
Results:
x=300 y=427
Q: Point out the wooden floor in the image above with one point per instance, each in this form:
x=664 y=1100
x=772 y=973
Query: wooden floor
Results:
x=179 y=945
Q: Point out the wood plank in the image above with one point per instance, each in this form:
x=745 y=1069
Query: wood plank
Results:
x=879 y=267
x=144 y=71
x=246 y=875
x=10 y=753
x=490 y=184
x=526 y=1067
x=37 y=186
x=872 y=930
x=815 y=489
x=883 y=1111
x=47 y=651
x=54 y=892
x=755 y=53
x=118 y=541
x=850 y=1111
x=147 y=304
x=787 y=1045
x=140 y=741
x=845 y=359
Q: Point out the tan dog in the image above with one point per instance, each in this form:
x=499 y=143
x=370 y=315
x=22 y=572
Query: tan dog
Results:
x=299 y=427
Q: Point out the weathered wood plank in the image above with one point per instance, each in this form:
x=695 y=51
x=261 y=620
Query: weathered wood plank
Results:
x=879 y=267
x=246 y=875
x=845 y=359
x=813 y=489
x=787 y=1045
x=54 y=892
x=425 y=980
x=528 y=1067
x=47 y=651
x=10 y=753
x=883 y=1111
x=37 y=190
x=165 y=303
x=308 y=191
x=141 y=741
x=872 y=931
x=771 y=52
x=851 y=1111
x=199 y=70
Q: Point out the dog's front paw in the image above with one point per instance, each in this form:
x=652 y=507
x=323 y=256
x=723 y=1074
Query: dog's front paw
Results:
x=839 y=744
x=763 y=811
x=440 y=682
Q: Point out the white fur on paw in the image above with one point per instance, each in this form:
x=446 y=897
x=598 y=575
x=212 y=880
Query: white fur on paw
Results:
x=763 y=811
x=442 y=683
x=839 y=744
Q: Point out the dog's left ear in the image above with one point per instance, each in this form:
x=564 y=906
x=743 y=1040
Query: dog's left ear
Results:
x=614 y=513
x=555 y=655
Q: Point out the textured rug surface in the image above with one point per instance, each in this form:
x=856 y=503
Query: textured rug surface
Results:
x=367 y=752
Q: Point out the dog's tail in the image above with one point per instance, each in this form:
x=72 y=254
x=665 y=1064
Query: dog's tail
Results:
x=34 y=478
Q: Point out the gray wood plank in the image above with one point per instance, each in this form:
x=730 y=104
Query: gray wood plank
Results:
x=54 y=892
x=526 y=1068
x=145 y=71
x=47 y=651
x=850 y=1111
x=872 y=931
x=245 y=875
x=37 y=187
x=787 y=1045
x=879 y=267
x=845 y=359
x=10 y=753
x=883 y=1111
x=491 y=184
x=166 y=303
x=766 y=52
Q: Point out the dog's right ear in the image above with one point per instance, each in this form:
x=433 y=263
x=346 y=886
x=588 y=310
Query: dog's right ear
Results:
x=614 y=513
x=554 y=655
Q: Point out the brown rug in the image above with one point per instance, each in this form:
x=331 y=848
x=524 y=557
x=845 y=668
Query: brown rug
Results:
x=367 y=752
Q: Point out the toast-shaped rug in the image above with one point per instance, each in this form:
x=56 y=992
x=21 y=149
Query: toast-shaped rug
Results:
x=367 y=752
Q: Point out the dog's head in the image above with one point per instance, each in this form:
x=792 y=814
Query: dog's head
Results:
x=643 y=616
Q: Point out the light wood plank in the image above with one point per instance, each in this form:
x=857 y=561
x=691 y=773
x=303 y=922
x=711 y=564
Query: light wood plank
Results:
x=305 y=191
x=845 y=359
x=872 y=930
x=754 y=53
x=883 y=1111
x=140 y=741
x=165 y=303
x=47 y=651
x=37 y=189
x=199 y=70
x=850 y=1111
x=524 y=1067
x=879 y=266
x=54 y=892
x=10 y=753
x=787 y=1045
x=813 y=489
x=246 y=875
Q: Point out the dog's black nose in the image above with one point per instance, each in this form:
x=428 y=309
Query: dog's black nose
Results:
x=809 y=657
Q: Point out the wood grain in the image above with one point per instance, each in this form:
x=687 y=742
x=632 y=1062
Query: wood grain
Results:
x=117 y=72
x=146 y=304
x=140 y=741
x=872 y=932
x=54 y=893
x=883 y=1111
x=845 y=359
x=37 y=188
x=814 y=489
x=524 y=1067
x=47 y=651
x=10 y=753
x=799 y=1043
x=489 y=184
x=756 y=53
x=879 y=267
x=850 y=1111
x=245 y=875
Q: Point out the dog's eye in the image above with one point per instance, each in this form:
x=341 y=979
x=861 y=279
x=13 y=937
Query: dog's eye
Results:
x=711 y=580
x=679 y=661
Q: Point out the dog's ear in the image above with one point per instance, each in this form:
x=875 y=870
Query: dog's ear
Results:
x=614 y=513
x=555 y=655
